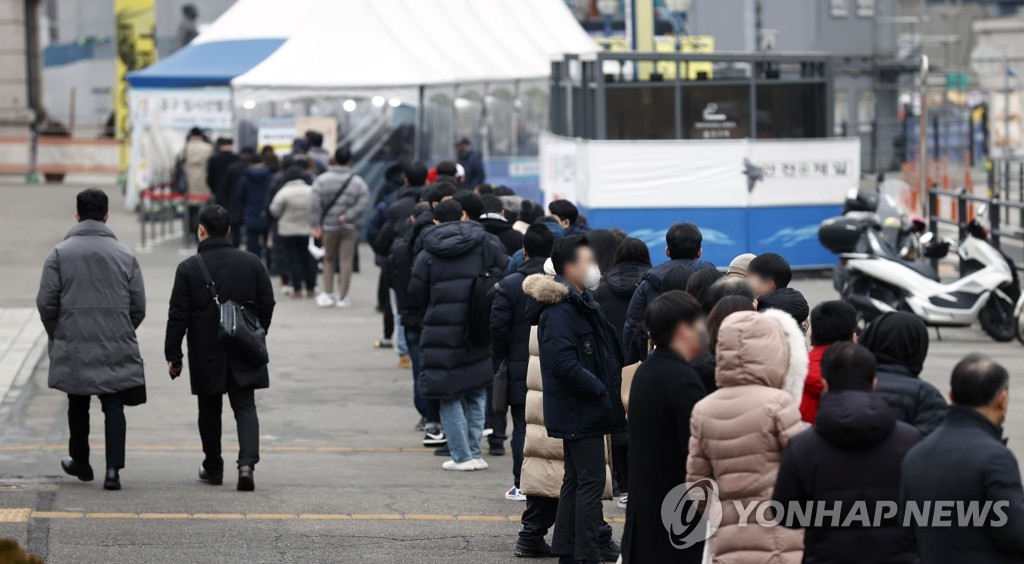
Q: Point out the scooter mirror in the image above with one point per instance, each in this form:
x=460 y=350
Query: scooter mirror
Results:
x=981 y=210
x=927 y=238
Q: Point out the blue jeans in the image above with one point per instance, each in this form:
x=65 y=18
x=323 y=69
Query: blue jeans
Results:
x=463 y=420
x=401 y=340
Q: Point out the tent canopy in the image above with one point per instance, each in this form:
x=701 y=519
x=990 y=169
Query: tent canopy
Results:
x=244 y=35
x=388 y=44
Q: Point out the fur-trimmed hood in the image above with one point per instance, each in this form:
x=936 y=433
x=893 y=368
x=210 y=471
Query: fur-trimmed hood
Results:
x=767 y=349
x=799 y=362
x=543 y=288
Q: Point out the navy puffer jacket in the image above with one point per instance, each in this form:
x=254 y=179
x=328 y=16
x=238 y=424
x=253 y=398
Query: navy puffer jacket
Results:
x=453 y=254
x=510 y=328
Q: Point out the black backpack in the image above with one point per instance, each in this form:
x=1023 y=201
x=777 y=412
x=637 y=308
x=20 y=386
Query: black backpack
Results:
x=481 y=298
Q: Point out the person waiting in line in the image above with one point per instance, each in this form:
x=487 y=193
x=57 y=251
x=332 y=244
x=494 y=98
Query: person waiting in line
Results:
x=91 y=300
x=831 y=322
x=851 y=456
x=770 y=274
x=632 y=260
x=252 y=195
x=213 y=369
x=706 y=363
x=510 y=329
x=495 y=222
x=699 y=286
x=290 y=206
x=899 y=341
x=661 y=399
x=568 y=217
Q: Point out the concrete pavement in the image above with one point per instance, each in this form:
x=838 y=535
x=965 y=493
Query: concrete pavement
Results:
x=342 y=478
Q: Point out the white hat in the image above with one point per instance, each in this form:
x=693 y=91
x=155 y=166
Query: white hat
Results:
x=460 y=171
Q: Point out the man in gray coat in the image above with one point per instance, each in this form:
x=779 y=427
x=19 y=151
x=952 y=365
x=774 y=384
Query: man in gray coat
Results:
x=91 y=299
x=340 y=199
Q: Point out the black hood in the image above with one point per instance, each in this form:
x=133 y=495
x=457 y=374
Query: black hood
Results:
x=453 y=239
x=898 y=338
x=787 y=300
x=854 y=419
x=495 y=226
x=624 y=277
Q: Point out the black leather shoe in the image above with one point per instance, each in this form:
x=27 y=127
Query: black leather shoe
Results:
x=112 y=481
x=496 y=449
x=245 y=481
x=209 y=478
x=83 y=473
x=535 y=548
x=610 y=552
x=442 y=451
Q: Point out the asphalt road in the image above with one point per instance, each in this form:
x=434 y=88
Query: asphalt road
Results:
x=342 y=478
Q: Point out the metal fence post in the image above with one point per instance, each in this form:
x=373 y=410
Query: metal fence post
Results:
x=995 y=221
x=933 y=222
x=961 y=213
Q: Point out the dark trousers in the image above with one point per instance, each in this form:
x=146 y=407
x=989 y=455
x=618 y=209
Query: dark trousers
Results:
x=518 y=440
x=301 y=265
x=243 y=403
x=384 y=303
x=539 y=516
x=236 y=234
x=114 y=428
x=496 y=422
x=428 y=409
x=579 y=507
x=256 y=242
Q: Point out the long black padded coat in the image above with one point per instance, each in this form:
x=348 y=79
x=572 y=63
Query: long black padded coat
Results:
x=453 y=255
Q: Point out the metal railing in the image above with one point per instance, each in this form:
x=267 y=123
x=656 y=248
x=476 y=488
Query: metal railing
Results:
x=1000 y=230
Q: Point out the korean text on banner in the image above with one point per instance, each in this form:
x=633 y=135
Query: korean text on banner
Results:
x=135 y=24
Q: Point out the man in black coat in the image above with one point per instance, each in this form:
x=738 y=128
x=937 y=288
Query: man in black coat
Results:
x=661 y=399
x=226 y=193
x=581 y=368
x=241 y=277
x=453 y=369
x=493 y=220
x=218 y=163
x=510 y=331
x=472 y=161
x=899 y=341
x=966 y=461
x=852 y=455
x=684 y=242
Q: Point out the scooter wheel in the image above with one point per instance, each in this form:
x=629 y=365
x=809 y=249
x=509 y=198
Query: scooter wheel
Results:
x=997 y=319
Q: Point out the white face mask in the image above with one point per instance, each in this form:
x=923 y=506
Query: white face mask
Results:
x=593 y=278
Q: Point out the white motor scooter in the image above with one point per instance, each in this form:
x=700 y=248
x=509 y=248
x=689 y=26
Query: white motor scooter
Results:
x=873 y=279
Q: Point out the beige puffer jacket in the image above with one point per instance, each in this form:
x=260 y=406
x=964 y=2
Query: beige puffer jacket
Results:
x=738 y=432
x=543 y=471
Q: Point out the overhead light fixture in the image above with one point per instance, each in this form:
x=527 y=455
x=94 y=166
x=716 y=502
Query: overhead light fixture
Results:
x=249 y=104
x=394 y=102
x=349 y=105
x=378 y=101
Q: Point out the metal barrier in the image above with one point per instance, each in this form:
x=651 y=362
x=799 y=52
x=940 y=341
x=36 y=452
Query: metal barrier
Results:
x=159 y=208
x=964 y=202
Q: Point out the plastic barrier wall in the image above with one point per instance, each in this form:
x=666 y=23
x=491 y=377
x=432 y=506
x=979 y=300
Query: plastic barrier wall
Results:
x=644 y=187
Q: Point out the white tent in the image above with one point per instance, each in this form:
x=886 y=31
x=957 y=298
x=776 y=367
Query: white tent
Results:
x=358 y=45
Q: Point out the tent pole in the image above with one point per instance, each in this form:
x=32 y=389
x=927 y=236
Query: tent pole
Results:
x=420 y=120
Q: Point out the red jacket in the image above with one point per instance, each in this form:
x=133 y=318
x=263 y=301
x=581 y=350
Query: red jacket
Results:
x=813 y=385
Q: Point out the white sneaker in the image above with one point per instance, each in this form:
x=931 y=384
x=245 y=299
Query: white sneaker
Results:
x=467 y=466
x=324 y=300
x=287 y=291
x=343 y=302
x=622 y=502
x=479 y=463
x=515 y=495
x=488 y=432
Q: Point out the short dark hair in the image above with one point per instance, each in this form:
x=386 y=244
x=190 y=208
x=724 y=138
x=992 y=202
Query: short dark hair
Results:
x=502 y=190
x=415 y=173
x=343 y=155
x=684 y=241
x=92 y=204
x=772 y=266
x=224 y=141
x=977 y=380
x=724 y=308
x=632 y=249
x=215 y=220
x=666 y=312
x=564 y=209
x=446 y=168
x=676 y=279
x=314 y=138
x=484 y=189
x=832 y=321
x=700 y=284
x=530 y=211
x=848 y=366
x=564 y=251
x=492 y=203
x=247 y=151
x=728 y=286
x=440 y=190
x=538 y=240
x=447 y=211
x=471 y=203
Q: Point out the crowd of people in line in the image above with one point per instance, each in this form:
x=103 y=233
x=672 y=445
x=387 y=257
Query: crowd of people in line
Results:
x=622 y=379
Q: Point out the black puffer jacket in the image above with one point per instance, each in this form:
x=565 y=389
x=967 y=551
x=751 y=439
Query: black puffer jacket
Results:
x=511 y=239
x=913 y=400
x=852 y=454
x=619 y=285
x=453 y=255
x=399 y=264
x=580 y=360
x=510 y=328
x=648 y=289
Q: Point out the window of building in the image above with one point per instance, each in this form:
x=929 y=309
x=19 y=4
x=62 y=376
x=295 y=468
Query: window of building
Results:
x=865 y=111
x=866 y=8
x=841 y=113
x=838 y=8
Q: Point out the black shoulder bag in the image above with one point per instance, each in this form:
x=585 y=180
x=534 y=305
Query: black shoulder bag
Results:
x=239 y=330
